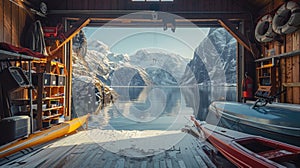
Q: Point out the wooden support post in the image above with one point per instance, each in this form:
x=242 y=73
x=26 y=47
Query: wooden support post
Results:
x=283 y=77
x=296 y=67
x=69 y=80
x=289 y=68
x=39 y=116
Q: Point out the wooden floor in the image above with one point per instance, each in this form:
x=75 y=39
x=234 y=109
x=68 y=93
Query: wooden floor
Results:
x=77 y=150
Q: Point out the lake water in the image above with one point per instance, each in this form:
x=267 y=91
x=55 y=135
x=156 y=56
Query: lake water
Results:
x=145 y=121
x=159 y=108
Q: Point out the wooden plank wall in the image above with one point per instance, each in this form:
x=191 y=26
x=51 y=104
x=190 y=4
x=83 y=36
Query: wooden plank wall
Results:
x=12 y=23
x=288 y=72
x=289 y=68
x=177 y=5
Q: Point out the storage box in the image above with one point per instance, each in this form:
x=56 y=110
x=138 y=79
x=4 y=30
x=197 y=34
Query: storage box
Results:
x=60 y=80
x=55 y=121
x=46 y=123
x=48 y=79
x=13 y=128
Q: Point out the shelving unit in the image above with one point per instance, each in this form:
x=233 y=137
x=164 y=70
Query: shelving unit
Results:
x=50 y=98
x=50 y=90
x=281 y=68
x=266 y=74
x=11 y=56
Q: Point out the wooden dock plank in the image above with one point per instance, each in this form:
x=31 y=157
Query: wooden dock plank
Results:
x=169 y=163
x=80 y=156
x=144 y=164
x=181 y=164
x=199 y=152
x=44 y=155
x=200 y=161
x=162 y=163
x=78 y=150
x=95 y=161
x=120 y=163
x=108 y=163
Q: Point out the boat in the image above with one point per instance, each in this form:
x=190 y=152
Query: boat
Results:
x=43 y=136
x=246 y=150
x=276 y=121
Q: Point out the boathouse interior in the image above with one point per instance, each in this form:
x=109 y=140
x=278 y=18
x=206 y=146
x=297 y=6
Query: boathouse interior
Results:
x=29 y=67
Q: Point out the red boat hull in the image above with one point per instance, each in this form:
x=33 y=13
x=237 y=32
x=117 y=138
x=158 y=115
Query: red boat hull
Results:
x=245 y=150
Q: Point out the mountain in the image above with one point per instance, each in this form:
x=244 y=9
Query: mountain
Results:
x=214 y=60
x=145 y=67
x=162 y=67
x=129 y=76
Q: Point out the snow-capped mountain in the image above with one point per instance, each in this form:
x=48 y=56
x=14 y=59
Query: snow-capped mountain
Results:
x=145 y=67
x=214 y=59
x=164 y=68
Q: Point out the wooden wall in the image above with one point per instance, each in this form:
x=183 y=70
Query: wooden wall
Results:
x=288 y=70
x=12 y=23
x=177 y=5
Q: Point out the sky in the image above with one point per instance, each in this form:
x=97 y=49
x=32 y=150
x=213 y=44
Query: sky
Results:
x=129 y=40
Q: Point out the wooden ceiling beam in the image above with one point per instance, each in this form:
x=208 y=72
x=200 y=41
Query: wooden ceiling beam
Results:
x=236 y=15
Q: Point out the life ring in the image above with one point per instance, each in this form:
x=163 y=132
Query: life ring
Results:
x=263 y=29
x=287 y=18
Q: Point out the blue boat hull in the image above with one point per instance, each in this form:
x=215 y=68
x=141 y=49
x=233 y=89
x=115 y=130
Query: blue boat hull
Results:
x=279 y=123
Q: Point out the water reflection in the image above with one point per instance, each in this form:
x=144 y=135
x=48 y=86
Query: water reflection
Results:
x=199 y=97
x=161 y=108
x=143 y=108
x=145 y=121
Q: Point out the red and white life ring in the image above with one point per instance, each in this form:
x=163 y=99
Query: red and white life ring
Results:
x=263 y=29
x=287 y=18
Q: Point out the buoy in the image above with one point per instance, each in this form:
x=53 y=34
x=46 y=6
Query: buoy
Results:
x=263 y=29
x=287 y=18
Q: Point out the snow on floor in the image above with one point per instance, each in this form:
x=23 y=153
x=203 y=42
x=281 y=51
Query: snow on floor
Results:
x=135 y=143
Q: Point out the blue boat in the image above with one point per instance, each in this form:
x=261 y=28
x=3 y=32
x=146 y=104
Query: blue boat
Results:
x=276 y=121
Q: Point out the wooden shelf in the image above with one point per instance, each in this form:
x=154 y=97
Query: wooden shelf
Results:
x=40 y=61
x=53 y=108
x=265 y=66
x=53 y=86
x=51 y=116
x=11 y=56
x=288 y=54
x=21 y=99
x=53 y=98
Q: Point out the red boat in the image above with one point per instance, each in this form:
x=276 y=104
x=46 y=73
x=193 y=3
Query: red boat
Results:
x=245 y=150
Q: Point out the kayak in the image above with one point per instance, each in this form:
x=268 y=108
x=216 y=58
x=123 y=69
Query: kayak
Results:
x=246 y=150
x=43 y=136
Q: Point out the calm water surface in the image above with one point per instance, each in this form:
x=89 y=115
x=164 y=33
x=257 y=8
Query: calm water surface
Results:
x=159 y=108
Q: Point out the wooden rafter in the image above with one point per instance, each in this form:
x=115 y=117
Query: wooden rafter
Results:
x=71 y=33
